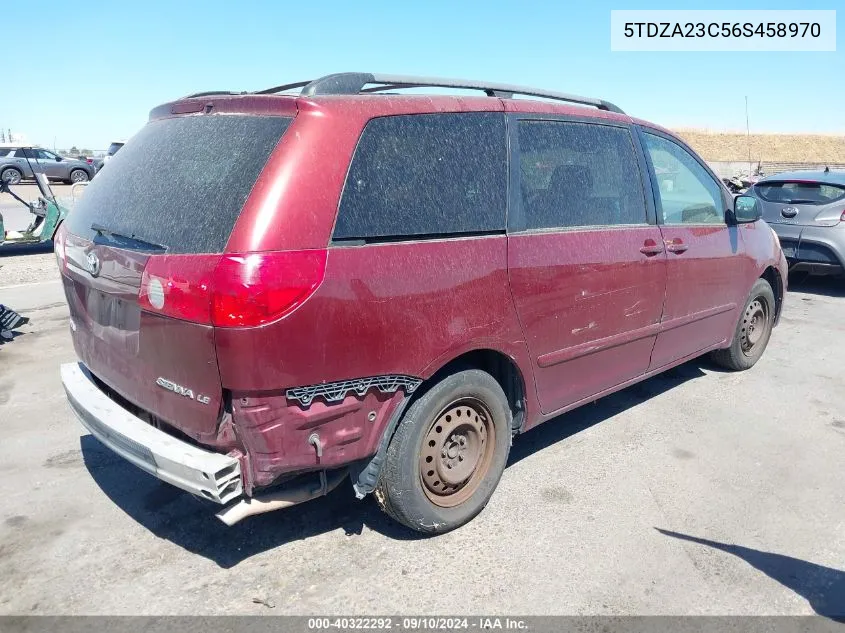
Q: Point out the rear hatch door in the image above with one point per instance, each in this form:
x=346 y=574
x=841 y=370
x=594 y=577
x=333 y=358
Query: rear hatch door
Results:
x=801 y=203
x=176 y=188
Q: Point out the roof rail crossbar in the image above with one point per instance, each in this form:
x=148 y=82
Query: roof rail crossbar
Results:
x=209 y=93
x=355 y=83
x=282 y=88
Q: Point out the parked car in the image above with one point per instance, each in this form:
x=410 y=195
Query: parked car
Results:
x=113 y=149
x=807 y=211
x=17 y=164
x=389 y=287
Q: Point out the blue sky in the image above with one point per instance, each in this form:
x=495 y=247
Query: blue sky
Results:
x=89 y=74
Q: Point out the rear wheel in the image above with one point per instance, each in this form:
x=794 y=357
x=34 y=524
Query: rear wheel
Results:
x=78 y=175
x=448 y=454
x=753 y=330
x=11 y=176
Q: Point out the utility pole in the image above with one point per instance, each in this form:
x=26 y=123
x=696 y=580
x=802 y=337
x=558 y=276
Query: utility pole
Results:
x=747 y=129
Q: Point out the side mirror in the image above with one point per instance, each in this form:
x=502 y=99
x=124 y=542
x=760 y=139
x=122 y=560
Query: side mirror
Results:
x=58 y=159
x=746 y=210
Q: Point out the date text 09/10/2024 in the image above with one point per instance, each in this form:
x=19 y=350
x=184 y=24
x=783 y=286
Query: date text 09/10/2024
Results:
x=417 y=623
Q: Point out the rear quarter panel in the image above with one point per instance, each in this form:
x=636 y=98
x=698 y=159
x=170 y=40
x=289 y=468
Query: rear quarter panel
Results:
x=404 y=308
x=399 y=308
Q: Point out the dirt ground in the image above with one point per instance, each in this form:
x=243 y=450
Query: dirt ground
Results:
x=779 y=148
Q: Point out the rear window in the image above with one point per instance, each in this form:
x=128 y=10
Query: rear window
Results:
x=180 y=182
x=800 y=192
x=426 y=175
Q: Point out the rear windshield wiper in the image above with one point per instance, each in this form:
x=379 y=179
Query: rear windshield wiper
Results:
x=126 y=241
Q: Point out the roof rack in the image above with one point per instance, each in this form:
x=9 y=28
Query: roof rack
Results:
x=209 y=93
x=355 y=83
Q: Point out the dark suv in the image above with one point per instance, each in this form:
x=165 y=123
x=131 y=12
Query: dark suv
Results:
x=389 y=287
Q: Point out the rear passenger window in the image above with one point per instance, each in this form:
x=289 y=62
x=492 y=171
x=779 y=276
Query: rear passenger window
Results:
x=688 y=194
x=578 y=174
x=426 y=175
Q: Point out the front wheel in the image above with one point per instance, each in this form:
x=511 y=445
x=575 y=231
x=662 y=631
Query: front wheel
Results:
x=11 y=176
x=78 y=175
x=448 y=454
x=753 y=330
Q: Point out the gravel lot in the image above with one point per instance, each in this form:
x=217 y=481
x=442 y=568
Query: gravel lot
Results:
x=601 y=511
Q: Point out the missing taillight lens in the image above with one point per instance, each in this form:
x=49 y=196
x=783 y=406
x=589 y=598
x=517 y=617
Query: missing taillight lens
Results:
x=232 y=290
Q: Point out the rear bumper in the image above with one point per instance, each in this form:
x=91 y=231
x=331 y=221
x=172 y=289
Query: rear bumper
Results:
x=206 y=474
x=822 y=246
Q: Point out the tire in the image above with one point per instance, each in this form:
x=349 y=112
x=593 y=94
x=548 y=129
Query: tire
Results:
x=79 y=175
x=436 y=439
x=11 y=175
x=753 y=330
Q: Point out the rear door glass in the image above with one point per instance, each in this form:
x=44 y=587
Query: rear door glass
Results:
x=426 y=175
x=800 y=192
x=577 y=174
x=180 y=182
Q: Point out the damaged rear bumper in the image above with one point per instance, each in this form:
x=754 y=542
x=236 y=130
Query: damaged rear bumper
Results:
x=206 y=474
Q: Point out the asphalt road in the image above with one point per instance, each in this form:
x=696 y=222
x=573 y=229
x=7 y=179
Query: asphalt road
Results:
x=696 y=492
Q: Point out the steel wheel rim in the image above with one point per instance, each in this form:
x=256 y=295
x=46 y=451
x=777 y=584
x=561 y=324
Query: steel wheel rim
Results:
x=78 y=176
x=12 y=177
x=755 y=324
x=456 y=452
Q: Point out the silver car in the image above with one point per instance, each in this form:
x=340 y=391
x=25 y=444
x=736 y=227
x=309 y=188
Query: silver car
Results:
x=807 y=211
x=15 y=167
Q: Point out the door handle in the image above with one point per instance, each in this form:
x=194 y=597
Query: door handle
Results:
x=650 y=247
x=676 y=245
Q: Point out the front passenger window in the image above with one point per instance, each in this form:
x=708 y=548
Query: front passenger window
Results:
x=688 y=194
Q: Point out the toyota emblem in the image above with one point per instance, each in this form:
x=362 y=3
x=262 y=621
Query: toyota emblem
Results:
x=92 y=264
x=789 y=212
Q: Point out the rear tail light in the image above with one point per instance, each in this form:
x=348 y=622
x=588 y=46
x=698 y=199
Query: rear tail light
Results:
x=231 y=290
x=842 y=217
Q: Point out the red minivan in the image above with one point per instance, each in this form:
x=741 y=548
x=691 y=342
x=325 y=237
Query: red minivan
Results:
x=272 y=291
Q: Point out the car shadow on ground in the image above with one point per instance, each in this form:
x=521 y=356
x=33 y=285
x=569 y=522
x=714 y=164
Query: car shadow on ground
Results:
x=827 y=285
x=823 y=587
x=189 y=522
x=9 y=250
x=565 y=426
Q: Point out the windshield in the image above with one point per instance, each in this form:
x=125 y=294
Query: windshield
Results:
x=180 y=182
x=800 y=192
